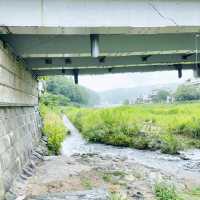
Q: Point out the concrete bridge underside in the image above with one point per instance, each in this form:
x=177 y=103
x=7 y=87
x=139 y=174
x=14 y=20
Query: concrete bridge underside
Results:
x=97 y=37
x=48 y=37
x=62 y=54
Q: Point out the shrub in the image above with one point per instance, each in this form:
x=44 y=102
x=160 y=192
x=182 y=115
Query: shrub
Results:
x=140 y=142
x=51 y=100
x=120 y=139
x=170 y=144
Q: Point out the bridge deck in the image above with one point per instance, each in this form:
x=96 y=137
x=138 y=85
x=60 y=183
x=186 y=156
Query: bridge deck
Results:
x=54 y=37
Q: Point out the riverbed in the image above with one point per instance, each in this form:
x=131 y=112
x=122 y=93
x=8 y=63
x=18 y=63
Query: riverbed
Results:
x=88 y=171
x=185 y=165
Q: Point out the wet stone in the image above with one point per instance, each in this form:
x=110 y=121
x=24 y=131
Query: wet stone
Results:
x=138 y=196
x=100 y=194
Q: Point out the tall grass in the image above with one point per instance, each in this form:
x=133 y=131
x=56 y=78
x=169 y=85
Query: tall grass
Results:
x=166 y=192
x=53 y=128
x=141 y=126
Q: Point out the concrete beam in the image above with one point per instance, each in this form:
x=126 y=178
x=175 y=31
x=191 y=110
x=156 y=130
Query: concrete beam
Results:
x=118 y=61
x=110 y=45
x=105 y=70
x=30 y=30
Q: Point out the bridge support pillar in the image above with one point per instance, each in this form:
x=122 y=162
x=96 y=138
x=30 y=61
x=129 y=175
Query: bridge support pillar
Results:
x=196 y=71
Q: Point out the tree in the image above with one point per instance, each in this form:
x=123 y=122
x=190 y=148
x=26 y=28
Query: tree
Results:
x=187 y=92
x=161 y=96
x=54 y=100
x=75 y=93
x=126 y=102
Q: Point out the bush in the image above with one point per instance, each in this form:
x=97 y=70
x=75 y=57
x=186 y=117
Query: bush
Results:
x=53 y=128
x=52 y=100
x=170 y=144
x=141 y=143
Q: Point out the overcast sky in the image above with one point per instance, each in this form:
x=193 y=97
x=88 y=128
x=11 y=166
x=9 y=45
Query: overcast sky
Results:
x=113 y=81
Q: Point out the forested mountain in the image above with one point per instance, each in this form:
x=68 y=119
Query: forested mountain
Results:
x=117 y=96
x=63 y=90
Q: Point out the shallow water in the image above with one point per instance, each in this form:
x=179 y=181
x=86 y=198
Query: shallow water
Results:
x=186 y=165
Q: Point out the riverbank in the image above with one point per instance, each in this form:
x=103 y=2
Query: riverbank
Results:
x=53 y=128
x=96 y=171
x=165 y=127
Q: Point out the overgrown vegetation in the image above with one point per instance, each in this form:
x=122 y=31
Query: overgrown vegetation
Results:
x=61 y=91
x=166 y=192
x=168 y=127
x=53 y=128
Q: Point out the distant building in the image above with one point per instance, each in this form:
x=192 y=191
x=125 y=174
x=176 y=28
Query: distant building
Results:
x=150 y=97
x=144 y=99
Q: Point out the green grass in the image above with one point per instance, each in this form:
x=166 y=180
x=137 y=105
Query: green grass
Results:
x=195 y=191
x=86 y=183
x=192 y=194
x=116 y=196
x=113 y=176
x=53 y=128
x=168 y=127
x=166 y=192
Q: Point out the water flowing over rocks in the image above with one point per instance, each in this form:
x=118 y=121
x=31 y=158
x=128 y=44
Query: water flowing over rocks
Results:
x=94 y=171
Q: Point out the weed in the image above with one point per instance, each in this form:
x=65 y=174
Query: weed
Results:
x=166 y=192
x=168 y=127
x=195 y=191
x=86 y=183
x=116 y=196
x=53 y=128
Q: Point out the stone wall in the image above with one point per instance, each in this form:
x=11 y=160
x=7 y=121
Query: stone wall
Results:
x=19 y=117
x=17 y=86
x=19 y=132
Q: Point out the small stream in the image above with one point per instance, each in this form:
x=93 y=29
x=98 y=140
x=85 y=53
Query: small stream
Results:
x=186 y=165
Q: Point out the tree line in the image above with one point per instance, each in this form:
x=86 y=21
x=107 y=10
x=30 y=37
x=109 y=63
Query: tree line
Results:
x=62 y=91
x=184 y=92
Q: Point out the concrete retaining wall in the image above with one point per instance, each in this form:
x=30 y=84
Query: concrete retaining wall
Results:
x=19 y=132
x=19 y=117
x=17 y=86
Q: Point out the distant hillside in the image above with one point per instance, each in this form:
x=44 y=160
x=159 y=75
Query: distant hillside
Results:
x=64 y=89
x=117 y=96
